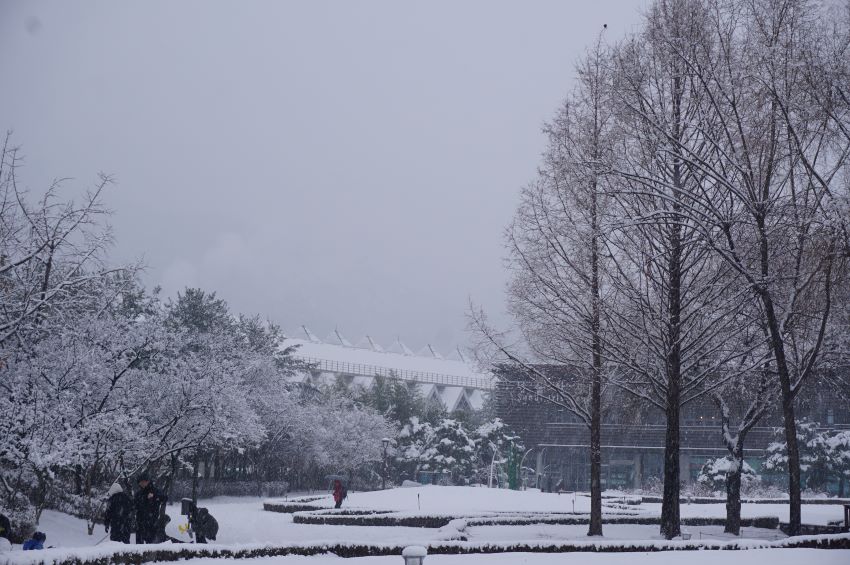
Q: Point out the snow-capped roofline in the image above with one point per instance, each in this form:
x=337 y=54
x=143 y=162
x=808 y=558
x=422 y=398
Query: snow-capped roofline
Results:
x=366 y=362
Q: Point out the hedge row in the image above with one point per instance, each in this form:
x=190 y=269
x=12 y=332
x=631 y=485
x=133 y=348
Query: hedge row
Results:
x=347 y=512
x=767 y=522
x=712 y=500
x=372 y=520
x=288 y=507
x=814 y=529
x=164 y=554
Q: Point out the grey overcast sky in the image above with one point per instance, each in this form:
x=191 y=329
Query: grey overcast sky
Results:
x=337 y=164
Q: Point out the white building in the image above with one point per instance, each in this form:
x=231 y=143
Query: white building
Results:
x=452 y=380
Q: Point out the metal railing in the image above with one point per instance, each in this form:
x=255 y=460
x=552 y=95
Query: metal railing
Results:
x=365 y=370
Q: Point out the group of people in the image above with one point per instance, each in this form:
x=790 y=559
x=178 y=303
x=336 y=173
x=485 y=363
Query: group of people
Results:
x=144 y=513
x=148 y=509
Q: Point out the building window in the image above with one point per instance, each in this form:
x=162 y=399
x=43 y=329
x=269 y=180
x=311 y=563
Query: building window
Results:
x=830 y=416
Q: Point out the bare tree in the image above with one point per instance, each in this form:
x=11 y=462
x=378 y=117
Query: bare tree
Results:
x=772 y=161
x=50 y=249
x=677 y=302
x=558 y=291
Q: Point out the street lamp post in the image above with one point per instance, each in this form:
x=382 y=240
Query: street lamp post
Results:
x=521 y=461
x=386 y=442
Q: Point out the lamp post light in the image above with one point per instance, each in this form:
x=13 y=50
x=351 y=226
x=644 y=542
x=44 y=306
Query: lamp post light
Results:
x=521 y=461
x=414 y=554
x=386 y=442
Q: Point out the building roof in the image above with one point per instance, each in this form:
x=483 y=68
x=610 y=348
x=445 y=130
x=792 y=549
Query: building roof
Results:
x=371 y=361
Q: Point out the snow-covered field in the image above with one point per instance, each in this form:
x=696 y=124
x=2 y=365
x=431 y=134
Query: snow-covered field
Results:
x=456 y=501
x=244 y=522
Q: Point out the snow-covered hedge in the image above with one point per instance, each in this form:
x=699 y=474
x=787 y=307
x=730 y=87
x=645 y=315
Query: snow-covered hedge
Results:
x=289 y=507
x=174 y=552
x=745 y=500
x=371 y=519
x=814 y=529
x=766 y=522
x=440 y=520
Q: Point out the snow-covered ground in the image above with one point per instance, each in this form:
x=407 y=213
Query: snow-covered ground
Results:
x=243 y=522
x=752 y=557
x=458 y=501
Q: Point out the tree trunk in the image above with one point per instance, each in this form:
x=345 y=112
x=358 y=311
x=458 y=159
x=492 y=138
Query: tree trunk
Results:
x=195 y=479
x=595 y=465
x=733 y=494
x=670 y=526
x=595 y=528
x=789 y=419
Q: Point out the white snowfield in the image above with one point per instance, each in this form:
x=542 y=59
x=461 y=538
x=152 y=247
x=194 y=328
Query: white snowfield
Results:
x=462 y=501
x=245 y=525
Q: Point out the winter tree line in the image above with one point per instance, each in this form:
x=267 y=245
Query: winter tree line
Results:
x=686 y=236
x=102 y=379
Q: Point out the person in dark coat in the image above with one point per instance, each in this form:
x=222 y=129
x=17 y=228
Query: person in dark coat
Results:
x=118 y=519
x=205 y=526
x=5 y=527
x=339 y=493
x=35 y=542
x=150 y=512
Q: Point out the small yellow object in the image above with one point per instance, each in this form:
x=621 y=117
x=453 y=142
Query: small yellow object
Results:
x=183 y=528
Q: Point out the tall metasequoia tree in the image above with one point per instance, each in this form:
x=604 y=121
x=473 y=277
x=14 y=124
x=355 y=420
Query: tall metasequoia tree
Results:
x=558 y=290
x=772 y=161
x=677 y=303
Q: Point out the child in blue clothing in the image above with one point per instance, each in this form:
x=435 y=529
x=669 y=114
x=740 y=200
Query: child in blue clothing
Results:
x=35 y=542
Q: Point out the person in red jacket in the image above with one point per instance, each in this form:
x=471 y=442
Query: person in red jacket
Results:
x=340 y=492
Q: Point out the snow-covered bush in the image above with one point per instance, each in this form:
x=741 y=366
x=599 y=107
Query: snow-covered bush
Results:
x=824 y=455
x=450 y=451
x=498 y=448
x=411 y=442
x=713 y=475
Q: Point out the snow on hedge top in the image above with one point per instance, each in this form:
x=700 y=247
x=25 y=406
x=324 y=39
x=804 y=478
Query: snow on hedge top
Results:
x=371 y=361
